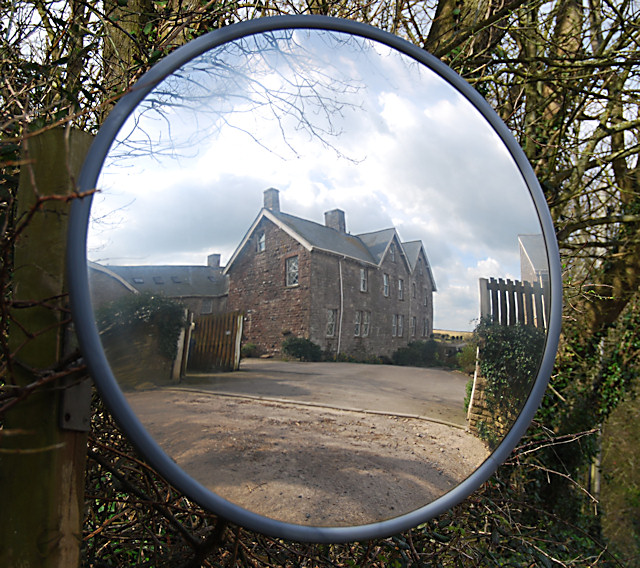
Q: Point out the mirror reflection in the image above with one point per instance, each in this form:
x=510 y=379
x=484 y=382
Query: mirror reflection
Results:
x=313 y=264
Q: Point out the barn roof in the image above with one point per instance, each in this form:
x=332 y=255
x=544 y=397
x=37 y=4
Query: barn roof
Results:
x=174 y=281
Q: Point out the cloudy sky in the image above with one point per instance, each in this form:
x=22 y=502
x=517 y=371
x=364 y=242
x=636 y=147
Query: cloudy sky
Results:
x=331 y=122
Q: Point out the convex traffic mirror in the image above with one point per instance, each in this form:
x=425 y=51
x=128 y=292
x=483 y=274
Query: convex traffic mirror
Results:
x=317 y=283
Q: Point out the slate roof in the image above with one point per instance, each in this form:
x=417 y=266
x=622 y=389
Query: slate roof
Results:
x=174 y=281
x=378 y=242
x=412 y=250
x=366 y=247
x=325 y=238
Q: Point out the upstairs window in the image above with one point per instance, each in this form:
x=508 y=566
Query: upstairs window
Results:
x=261 y=242
x=364 y=280
x=291 y=271
x=392 y=252
x=413 y=289
x=400 y=289
x=385 y=285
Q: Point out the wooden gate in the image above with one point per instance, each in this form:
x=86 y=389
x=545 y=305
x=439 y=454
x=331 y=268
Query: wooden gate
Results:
x=215 y=343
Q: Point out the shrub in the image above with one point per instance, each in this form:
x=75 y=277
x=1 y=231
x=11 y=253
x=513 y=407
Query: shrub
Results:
x=302 y=348
x=249 y=350
x=417 y=354
x=467 y=359
x=164 y=315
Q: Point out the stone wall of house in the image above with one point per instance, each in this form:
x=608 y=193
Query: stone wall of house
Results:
x=257 y=287
x=347 y=336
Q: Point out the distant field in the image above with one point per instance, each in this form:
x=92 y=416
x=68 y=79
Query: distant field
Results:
x=448 y=333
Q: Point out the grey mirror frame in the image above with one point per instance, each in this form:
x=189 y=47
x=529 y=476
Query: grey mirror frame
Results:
x=84 y=320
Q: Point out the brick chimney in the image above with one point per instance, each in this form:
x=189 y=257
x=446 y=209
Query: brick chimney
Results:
x=272 y=199
x=335 y=220
x=213 y=260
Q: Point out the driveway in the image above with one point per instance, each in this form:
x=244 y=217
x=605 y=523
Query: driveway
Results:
x=435 y=394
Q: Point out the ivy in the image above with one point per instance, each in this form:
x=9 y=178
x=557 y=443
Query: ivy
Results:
x=509 y=358
x=166 y=316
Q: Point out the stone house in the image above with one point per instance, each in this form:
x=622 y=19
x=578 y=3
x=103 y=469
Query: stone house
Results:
x=363 y=295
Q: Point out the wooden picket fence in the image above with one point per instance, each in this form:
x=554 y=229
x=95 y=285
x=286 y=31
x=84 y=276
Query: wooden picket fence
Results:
x=214 y=343
x=508 y=302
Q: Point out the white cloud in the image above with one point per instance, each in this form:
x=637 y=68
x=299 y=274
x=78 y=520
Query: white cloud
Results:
x=411 y=152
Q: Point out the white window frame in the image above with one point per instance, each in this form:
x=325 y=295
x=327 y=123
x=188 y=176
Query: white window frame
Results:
x=385 y=285
x=364 y=280
x=400 y=325
x=332 y=318
x=394 y=325
x=357 y=323
x=400 y=289
x=292 y=271
x=261 y=242
x=366 y=323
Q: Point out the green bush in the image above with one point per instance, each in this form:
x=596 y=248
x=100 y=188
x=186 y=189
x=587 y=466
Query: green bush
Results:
x=417 y=354
x=249 y=350
x=508 y=358
x=166 y=316
x=301 y=348
x=466 y=358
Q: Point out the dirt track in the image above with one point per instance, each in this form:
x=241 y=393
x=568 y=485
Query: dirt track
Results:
x=306 y=464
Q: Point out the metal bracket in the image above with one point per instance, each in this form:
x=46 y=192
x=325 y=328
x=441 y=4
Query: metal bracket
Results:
x=75 y=408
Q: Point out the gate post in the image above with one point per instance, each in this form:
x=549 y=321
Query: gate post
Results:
x=41 y=463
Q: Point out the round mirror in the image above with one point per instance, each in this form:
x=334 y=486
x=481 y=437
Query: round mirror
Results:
x=317 y=283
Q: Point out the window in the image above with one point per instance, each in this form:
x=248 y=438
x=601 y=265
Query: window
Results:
x=400 y=289
x=357 y=323
x=400 y=325
x=364 y=280
x=394 y=325
x=291 y=271
x=207 y=306
x=414 y=323
x=425 y=327
x=332 y=317
x=413 y=289
x=392 y=252
x=366 y=320
x=260 y=243
x=385 y=285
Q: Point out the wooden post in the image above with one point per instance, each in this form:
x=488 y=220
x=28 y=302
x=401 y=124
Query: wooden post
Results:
x=42 y=464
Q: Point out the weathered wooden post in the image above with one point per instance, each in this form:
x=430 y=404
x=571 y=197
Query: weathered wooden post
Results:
x=44 y=438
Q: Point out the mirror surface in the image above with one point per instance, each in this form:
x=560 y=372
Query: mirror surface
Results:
x=312 y=184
